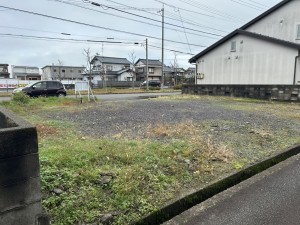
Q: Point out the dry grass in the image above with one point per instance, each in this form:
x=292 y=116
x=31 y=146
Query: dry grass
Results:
x=45 y=131
x=199 y=146
x=178 y=130
x=214 y=152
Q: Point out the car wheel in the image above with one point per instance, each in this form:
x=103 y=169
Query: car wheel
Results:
x=61 y=95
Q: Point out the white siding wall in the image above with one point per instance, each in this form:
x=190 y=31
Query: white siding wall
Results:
x=281 y=24
x=46 y=73
x=123 y=76
x=254 y=62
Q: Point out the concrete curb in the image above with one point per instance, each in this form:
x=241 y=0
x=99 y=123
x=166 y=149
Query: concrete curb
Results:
x=177 y=207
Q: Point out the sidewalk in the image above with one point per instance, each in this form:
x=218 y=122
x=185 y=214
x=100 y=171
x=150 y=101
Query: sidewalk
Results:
x=271 y=197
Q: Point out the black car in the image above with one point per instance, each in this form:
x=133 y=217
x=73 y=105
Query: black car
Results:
x=44 y=88
x=151 y=83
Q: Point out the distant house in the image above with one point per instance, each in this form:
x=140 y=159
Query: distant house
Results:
x=110 y=69
x=264 y=51
x=154 y=70
x=190 y=72
x=4 y=71
x=25 y=73
x=62 y=72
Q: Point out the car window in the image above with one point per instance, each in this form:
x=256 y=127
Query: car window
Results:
x=40 y=85
x=53 y=84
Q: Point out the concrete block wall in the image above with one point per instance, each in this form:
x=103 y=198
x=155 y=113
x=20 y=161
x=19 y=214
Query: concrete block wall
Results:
x=20 y=184
x=270 y=92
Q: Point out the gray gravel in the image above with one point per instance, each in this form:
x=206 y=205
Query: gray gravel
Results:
x=110 y=118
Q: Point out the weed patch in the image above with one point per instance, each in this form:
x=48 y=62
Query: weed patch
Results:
x=87 y=179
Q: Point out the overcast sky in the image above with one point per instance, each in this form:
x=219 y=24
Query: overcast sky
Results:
x=190 y=26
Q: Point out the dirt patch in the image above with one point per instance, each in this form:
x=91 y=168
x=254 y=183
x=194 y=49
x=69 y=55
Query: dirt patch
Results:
x=44 y=130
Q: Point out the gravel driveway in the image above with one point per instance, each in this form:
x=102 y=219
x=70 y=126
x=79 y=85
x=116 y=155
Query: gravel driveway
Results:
x=110 y=118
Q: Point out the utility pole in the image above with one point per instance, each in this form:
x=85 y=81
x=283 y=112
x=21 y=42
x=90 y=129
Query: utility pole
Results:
x=175 y=69
x=147 y=64
x=162 y=44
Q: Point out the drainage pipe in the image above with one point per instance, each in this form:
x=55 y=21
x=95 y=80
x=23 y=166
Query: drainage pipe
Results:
x=295 y=69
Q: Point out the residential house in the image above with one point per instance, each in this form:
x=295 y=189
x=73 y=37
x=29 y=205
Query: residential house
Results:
x=25 y=73
x=57 y=72
x=190 y=72
x=154 y=70
x=4 y=71
x=110 y=69
x=265 y=51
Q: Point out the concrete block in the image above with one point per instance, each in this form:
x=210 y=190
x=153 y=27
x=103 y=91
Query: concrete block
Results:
x=20 y=194
x=28 y=215
x=20 y=168
x=17 y=141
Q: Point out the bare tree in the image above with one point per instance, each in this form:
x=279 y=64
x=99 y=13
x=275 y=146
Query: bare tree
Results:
x=132 y=58
x=60 y=65
x=88 y=69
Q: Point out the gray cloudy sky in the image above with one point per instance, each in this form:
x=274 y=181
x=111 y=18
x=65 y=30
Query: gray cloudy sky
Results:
x=190 y=24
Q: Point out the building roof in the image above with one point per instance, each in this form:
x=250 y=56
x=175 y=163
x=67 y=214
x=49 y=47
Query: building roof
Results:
x=111 y=60
x=29 y=67
x=249 y=34
x=152 y=62
x=74 y=67
x=274 y=8
x=254 y=35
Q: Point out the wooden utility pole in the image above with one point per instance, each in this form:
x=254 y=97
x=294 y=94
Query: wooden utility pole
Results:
x=147 y=64
x=162 y=44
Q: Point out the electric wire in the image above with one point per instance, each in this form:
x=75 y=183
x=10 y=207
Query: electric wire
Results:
x=91 y=9
x=94 y=26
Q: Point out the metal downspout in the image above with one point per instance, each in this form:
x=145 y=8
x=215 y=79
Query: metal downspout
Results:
x=295 y=69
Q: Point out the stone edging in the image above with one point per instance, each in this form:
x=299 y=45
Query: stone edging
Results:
x=177 y=207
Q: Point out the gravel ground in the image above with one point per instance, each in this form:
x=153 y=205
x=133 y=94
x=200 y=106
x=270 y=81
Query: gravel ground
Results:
x=133 y=117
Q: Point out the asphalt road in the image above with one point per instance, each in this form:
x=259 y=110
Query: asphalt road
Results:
x=119 y=97
x=269 y=198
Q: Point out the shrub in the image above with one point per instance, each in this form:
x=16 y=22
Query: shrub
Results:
x=178 y=87
x=21 y=98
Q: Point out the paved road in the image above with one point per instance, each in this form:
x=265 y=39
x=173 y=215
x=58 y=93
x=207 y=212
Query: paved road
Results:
x=269 y=198
x=119 y=97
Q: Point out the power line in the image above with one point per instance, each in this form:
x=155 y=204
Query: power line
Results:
x=187 y=40
x=210 y=9
x=62 y=39
x=94 y=26
x=148 y=18
x=68 y=3
x=185 y=20
x=73 y=40
x=248 y=5
x=171 y=50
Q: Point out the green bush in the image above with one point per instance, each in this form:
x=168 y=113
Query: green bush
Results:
x=178 y=87
x=21 y=98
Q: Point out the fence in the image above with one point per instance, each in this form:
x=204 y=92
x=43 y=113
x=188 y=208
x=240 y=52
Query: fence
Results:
x=271 y=92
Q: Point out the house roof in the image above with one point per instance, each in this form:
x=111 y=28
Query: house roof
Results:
x=56 y=66
x=152 y=62
x=249 y=34
x=242 y=31
x=274 y=8
x=28 y=67
x=111 y=60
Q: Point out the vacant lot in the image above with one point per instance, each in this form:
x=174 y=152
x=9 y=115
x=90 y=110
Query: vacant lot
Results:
x=114 y=163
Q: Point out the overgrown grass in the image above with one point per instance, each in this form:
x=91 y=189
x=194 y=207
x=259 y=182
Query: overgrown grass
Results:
x=23 y=104
x=143 y=174
x=84 y=179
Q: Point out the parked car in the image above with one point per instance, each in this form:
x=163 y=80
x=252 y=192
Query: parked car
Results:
x=151 y=83
x=43 y=88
